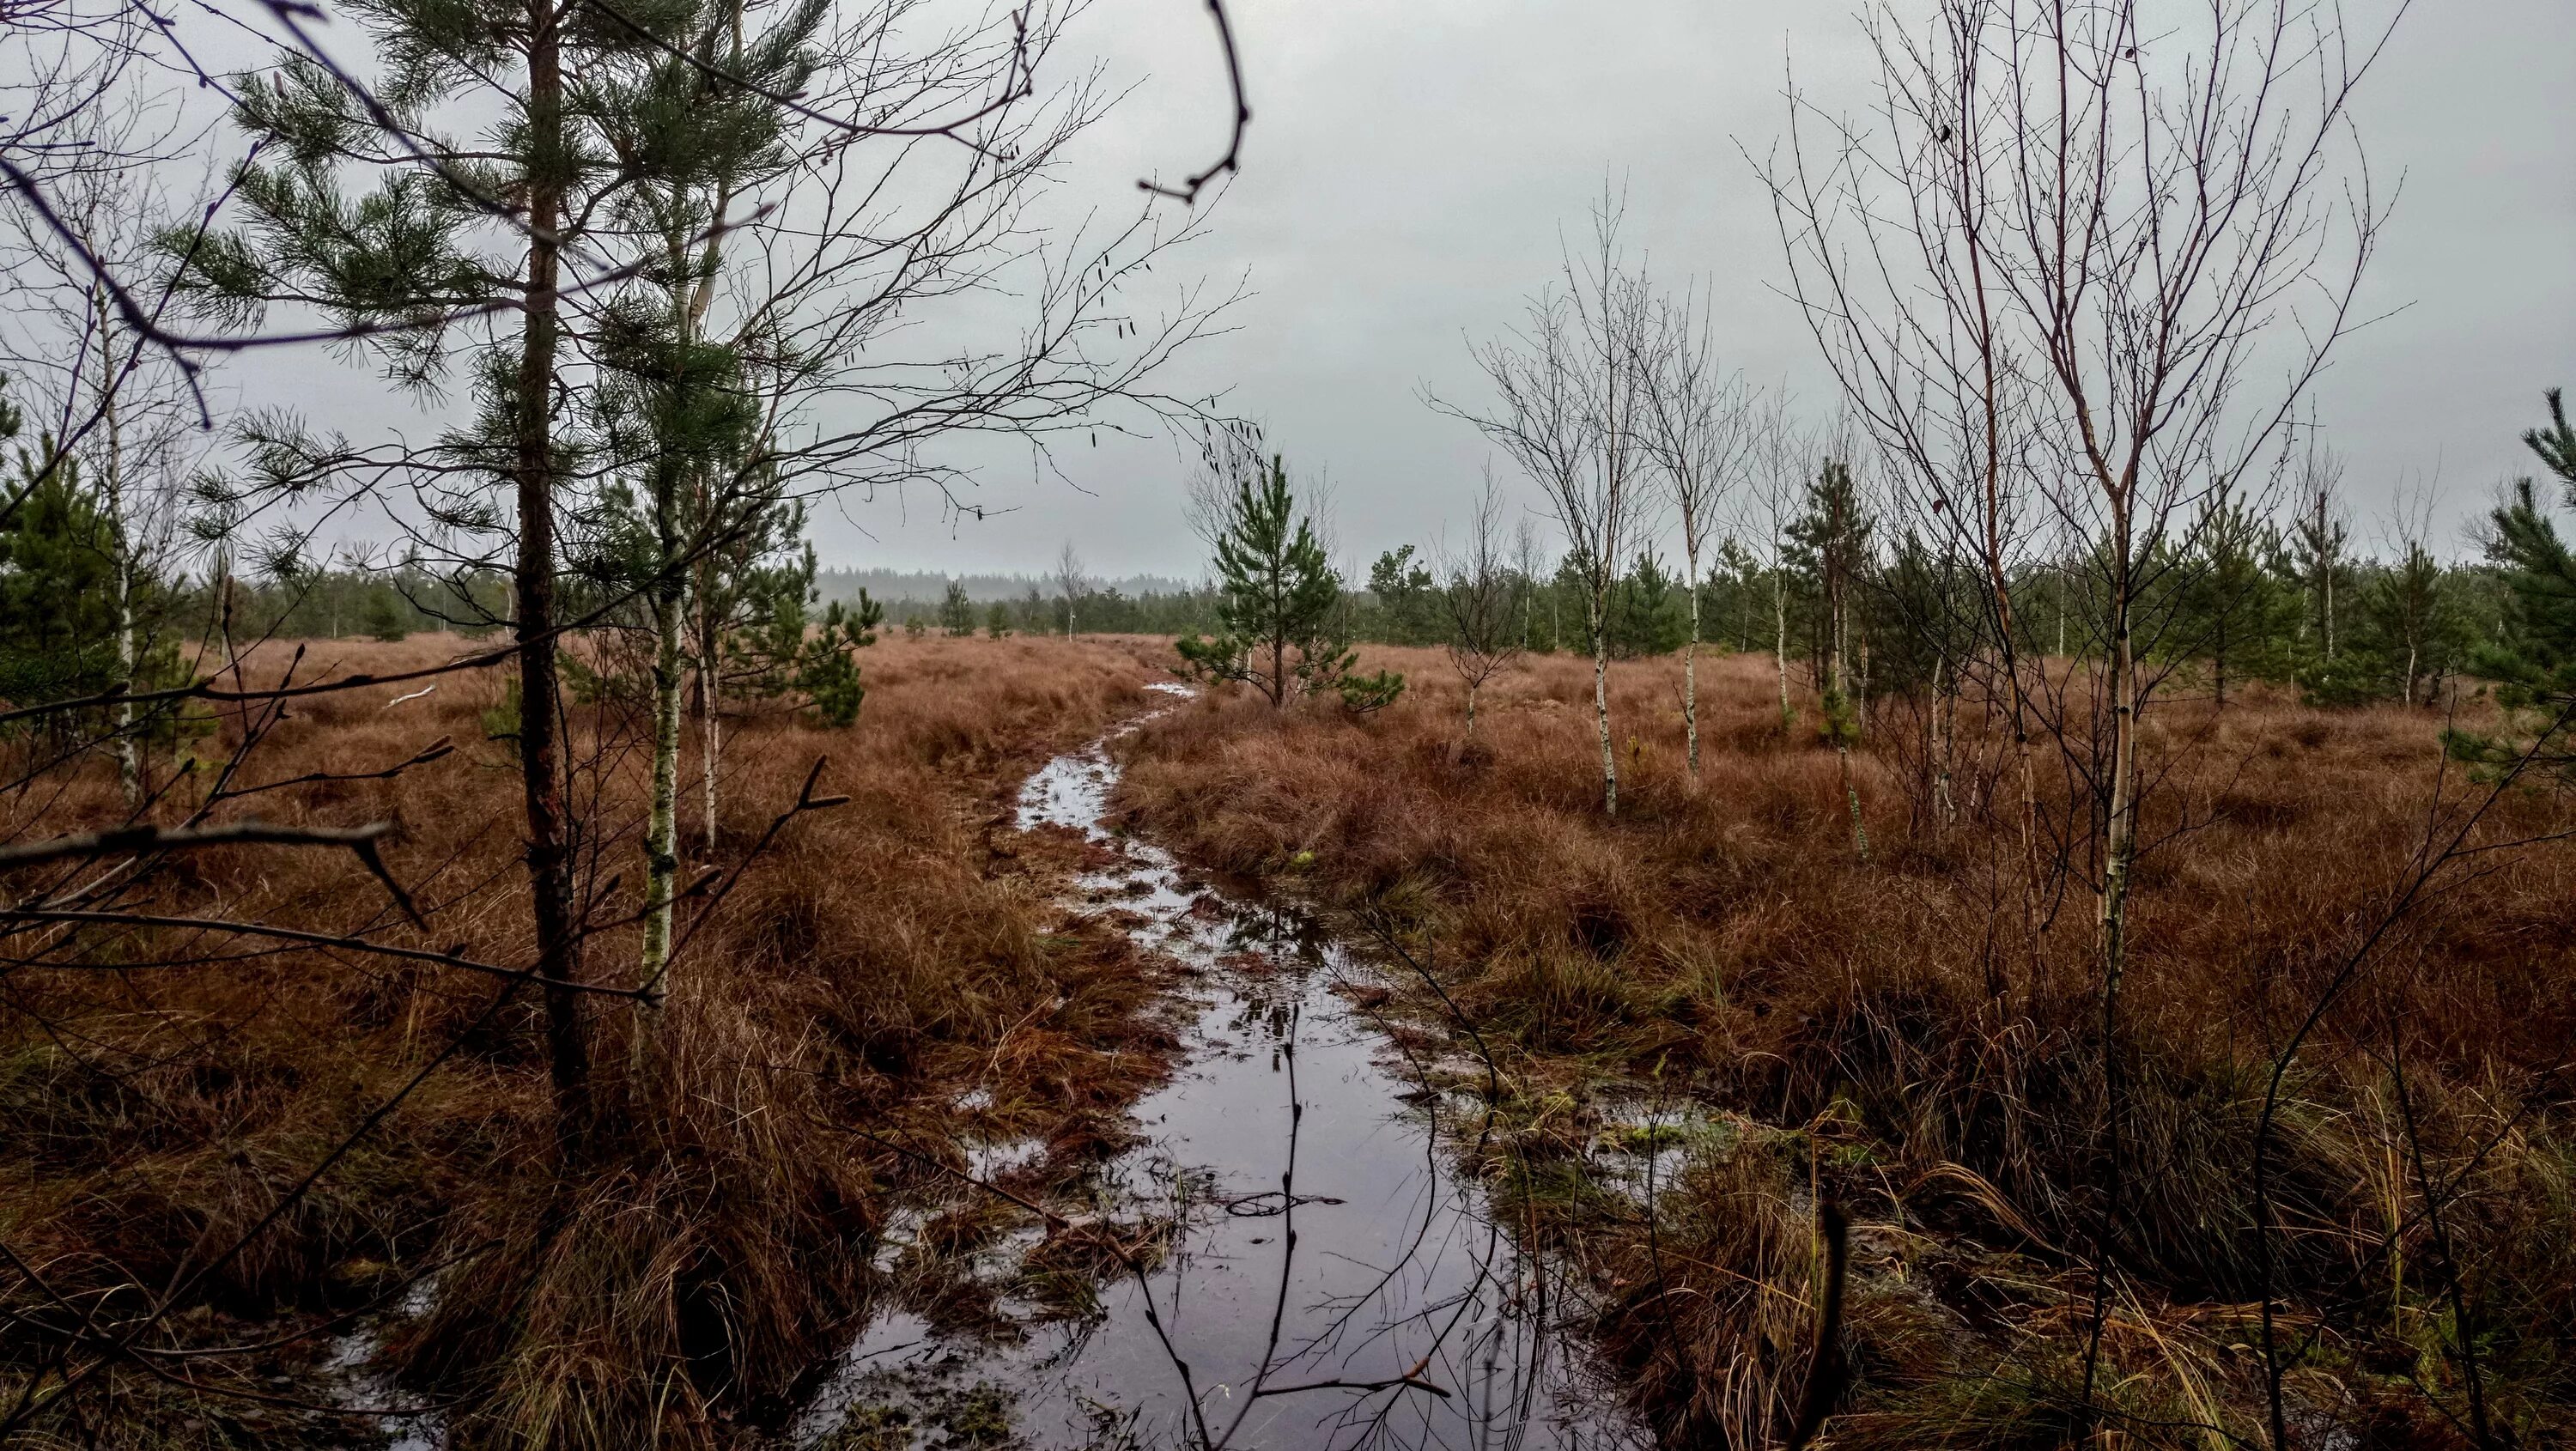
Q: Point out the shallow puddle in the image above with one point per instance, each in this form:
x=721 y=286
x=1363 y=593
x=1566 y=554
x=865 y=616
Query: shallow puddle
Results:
x=1306 y=1267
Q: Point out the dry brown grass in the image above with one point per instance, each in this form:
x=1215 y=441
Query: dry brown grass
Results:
x=1913 y=1046
x=879 y=957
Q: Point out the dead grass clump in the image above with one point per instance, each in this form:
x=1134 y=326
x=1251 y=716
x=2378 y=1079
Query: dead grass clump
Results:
x=687 y=1280
x=1715 y=1322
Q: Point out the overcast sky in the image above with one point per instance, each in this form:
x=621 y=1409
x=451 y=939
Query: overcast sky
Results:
x=1410 y=166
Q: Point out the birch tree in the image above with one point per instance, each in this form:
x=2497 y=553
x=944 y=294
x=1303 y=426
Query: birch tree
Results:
x=2091 y=256
x=1070 y=582
x=1482 y=599
x=1779 y=462
x=1696 y=427
x=1568 y=397
x=100 y=394
x=2319 y=537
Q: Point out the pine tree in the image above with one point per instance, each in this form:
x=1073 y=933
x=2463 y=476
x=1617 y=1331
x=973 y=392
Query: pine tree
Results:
x=1735 y=589
x=1403 y=589
x=1925 y=610
x=673 y=405
x=2230 y=609
x=530 y=132
x=58 y=616
x=956 y=612
x=2413 y=623
x=709 y=480
x=828 y=674
x=2534 y=664
x=383 y=618
x=79 y=611
x=1649 y=612
x=1831 y=542
x=1279 y=604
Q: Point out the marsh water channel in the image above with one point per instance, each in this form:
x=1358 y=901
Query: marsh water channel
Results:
x=1294 y=1254
x=1302 y=1257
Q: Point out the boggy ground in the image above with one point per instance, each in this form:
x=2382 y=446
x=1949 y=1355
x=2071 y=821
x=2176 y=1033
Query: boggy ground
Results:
x=874 y=962
x=1912 y=1035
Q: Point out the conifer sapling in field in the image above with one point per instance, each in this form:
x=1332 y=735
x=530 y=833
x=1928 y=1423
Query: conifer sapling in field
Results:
x=956 y=612
x=2534 y=664
x=1403 y=587
x=1279 y=616
x=827 y=673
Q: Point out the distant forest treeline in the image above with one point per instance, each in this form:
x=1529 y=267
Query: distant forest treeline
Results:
x=2338 y=626
x=1832 y=591
x=927 y=588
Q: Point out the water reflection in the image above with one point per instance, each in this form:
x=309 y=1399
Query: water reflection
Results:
x=1289 y=1260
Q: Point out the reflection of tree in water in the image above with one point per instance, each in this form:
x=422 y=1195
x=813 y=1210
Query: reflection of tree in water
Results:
x=1295 y=1259
x=1457 y=1323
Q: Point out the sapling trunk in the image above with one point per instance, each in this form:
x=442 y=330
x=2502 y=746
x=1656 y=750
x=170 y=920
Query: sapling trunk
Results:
x=710 y=734
x=541 y=767
x=1780 y=642
x=2218 y=663
x=669 y=602
x=662 y=826
x=1851 y=794
x=710 y=750
x=1598 y=613
x=2119 y=847
x=129 y=751
x=1690 y=677
x=129 y=757
x=2119 y=853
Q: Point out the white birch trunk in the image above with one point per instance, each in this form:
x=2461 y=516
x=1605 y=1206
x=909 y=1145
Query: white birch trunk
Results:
x=129 y=755
x=710 y=734
x=1690 y=678
x=1601 y=704
x=2119 y=847
x=710 y=747
x=1851 y=793
x=662 y=825
x=1780 y=642
x=670 y=616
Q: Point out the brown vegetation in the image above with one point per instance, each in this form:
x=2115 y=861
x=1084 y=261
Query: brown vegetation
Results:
x=1901 y=1032
x=874 y=960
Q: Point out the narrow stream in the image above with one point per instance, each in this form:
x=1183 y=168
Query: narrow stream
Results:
x=1320 y=1276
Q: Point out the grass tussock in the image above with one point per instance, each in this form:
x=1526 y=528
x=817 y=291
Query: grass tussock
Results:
x=1930 y=1036
x=670 y=1289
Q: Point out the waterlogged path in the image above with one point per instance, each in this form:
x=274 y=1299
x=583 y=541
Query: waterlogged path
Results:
x=1306 y=1268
